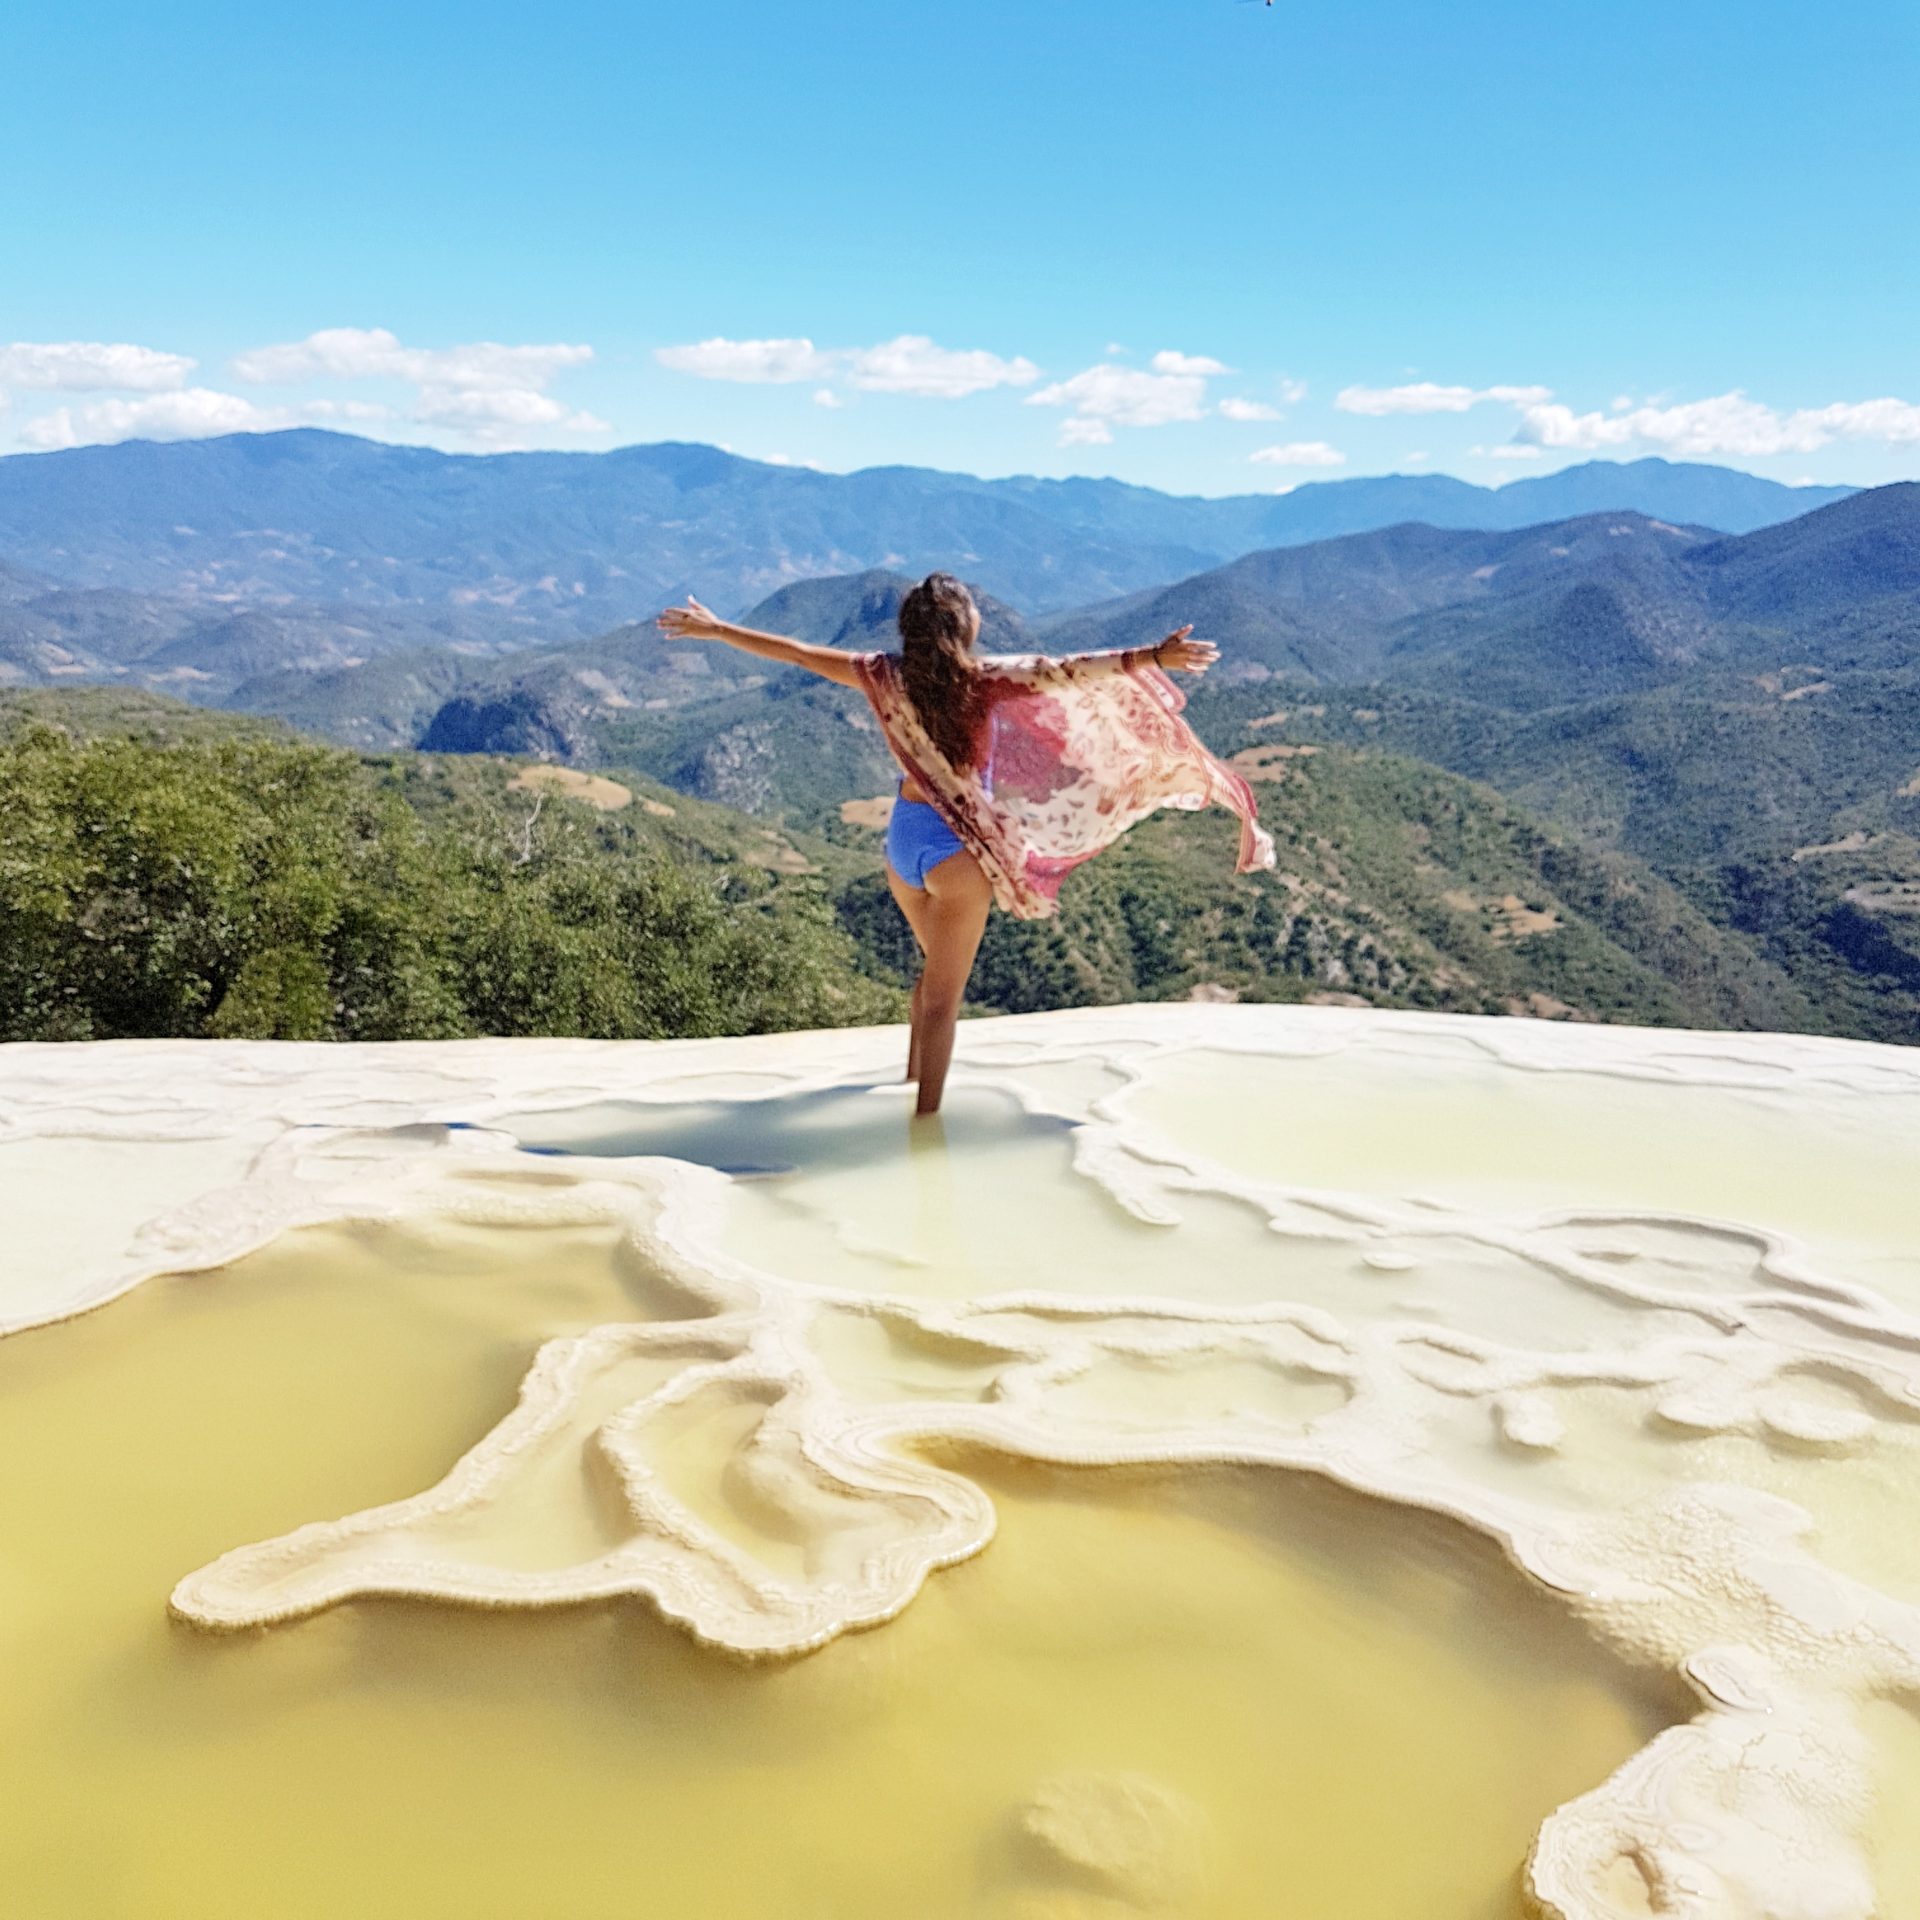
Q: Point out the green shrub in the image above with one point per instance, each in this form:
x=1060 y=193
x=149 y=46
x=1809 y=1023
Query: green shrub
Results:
x=266 y=889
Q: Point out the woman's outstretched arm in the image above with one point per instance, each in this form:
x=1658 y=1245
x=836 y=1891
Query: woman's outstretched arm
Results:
x=695 y=622
x=1179 y=652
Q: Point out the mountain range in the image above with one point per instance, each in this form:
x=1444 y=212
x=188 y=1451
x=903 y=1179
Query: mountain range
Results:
x=1740 y=714
x=1536 y=617
x=1667 y=714
x=1598 y=607
x=524 y=547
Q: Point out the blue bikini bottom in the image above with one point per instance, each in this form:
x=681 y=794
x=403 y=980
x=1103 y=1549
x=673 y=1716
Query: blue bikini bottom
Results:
x=917 y=838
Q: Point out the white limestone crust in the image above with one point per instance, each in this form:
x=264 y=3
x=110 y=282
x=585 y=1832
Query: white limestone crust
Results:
x=767 y=1508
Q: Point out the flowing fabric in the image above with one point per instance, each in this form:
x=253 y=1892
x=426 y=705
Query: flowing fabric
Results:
x=1077 y=751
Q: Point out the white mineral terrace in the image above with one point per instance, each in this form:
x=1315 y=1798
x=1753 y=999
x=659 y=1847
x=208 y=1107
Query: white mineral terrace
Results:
x=1642 y=1307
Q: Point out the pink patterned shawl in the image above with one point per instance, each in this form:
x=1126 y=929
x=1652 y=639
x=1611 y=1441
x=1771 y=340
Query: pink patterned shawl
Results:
x=1077 y=752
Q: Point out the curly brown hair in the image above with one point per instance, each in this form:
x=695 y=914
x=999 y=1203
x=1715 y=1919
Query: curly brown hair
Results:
x=938 y=621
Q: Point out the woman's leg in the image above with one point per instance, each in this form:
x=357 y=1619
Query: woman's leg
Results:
x=954 y=917
x=912 y=902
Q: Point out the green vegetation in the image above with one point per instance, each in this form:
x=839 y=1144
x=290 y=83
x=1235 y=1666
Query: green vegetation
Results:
x=796 y=748
x=1397 y=884
x=260 y=887
x=1735 y=765
x=92 y=713
x=1681 y=771
x=164 y=870
x=1784 y=808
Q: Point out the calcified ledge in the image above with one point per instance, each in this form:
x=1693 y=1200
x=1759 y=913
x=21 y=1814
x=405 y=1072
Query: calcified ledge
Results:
x=1752 y=1807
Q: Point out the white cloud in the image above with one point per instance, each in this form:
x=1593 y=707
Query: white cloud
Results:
x=1081 y=432
x=1727 y=424
x=1300 y=453
x=755 y=362
x=910 y=364
x=1897 y=422
x=500 y=414
x=91 y=366
x=1198 y=363
x=1291 y=393
x=1415 y=459
x=372 y=353
x=489 y=392
x=490 y=414
x=826 y=397
x=1114 y=348
x=1128 y=396
x=191 y=414
x=913 y=364
x=1423 y=396
x=361 y=412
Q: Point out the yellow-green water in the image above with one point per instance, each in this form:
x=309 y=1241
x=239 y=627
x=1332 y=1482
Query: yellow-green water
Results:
x=1618 y=1455
x=1895 y=1836
x=1454 y=1124
x=1367 y=1713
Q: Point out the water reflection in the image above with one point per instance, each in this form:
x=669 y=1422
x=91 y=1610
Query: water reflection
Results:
x=828 y=1130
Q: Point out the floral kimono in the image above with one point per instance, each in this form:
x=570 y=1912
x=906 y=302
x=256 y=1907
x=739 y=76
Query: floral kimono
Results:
x=1077 y=751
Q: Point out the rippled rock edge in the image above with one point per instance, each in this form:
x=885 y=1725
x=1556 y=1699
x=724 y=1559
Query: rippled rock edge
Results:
x=1754 y=1806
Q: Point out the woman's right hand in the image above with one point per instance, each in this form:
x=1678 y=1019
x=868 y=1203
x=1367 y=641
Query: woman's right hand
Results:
x=1179 y=652
x=691 y=622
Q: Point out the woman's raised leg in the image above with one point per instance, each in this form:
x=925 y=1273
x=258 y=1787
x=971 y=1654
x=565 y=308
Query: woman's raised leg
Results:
x=952 y=920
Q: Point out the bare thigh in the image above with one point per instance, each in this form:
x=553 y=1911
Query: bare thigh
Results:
x=954 y=917
x=913 y=903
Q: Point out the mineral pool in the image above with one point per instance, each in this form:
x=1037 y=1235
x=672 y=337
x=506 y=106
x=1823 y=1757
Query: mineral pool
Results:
x=1238 y=1462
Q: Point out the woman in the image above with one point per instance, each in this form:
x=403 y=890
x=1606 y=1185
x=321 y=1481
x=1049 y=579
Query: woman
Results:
x=1014 y=769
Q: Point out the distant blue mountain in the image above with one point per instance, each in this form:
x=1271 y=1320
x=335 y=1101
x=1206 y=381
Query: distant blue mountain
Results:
x=534 y=546
x=1534 y=616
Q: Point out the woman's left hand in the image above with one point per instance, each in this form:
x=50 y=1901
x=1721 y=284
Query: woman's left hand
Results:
x=1179 y=652
x=691 y=622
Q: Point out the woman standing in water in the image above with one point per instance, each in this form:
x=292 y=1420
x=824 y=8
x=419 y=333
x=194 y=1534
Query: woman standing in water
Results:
x=1013 y=770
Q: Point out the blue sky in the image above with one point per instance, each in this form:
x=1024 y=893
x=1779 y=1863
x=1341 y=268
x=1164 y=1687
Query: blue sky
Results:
x=1483 y=238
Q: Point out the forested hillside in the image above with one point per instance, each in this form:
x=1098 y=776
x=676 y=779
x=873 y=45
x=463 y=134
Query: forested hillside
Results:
x=164 y=875
x=1617 y=766
x=1397 y=885
x=1785 y=808
x=165 y=870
